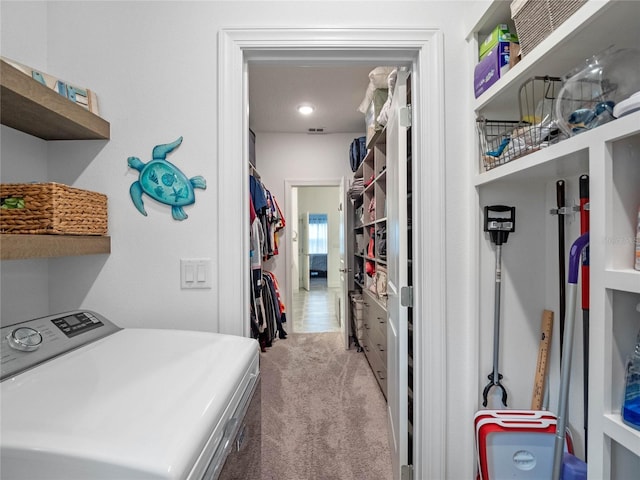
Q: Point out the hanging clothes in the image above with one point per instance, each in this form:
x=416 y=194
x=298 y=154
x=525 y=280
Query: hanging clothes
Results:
x=281 y=307
x=276 y=308
x=267 y=308
x=256 y=241
x=270 y=215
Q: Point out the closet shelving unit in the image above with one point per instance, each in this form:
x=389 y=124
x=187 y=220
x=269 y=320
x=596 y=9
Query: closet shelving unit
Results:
x=372 y=219
x=37 y=110
x=610 y=155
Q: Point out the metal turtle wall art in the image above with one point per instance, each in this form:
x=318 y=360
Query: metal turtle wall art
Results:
x=164 y=182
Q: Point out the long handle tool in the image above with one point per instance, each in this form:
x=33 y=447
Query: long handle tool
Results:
x=560 y=197
x=565 y=370
x=499 y=221
x=584 y=228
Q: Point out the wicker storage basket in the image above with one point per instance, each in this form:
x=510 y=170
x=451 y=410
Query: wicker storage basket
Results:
x=536 y=19
x=53 y=208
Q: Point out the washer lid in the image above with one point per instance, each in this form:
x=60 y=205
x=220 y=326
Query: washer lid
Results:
x=136 y=404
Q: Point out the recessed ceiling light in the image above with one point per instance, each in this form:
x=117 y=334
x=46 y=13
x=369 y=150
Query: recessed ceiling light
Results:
x=306 y=109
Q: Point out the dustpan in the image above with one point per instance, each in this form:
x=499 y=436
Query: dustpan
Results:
x=515 y=444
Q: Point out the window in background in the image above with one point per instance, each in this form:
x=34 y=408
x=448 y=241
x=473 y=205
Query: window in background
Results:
x=318 y=233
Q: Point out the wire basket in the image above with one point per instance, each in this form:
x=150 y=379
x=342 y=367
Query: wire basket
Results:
x=494 y=137
x=502 y=141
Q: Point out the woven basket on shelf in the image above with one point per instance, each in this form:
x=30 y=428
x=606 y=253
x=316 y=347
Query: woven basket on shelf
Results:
x=53 y=208
x=536 y=19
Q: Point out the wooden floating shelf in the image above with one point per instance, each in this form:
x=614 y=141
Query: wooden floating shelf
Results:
x=33 y=108
x=19 y=246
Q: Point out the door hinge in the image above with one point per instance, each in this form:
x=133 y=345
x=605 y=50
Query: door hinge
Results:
x=406 y=472
x=406 y=296
x=405 y=116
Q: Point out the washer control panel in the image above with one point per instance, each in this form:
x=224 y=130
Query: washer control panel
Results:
x=77 y=323
x=28 y=344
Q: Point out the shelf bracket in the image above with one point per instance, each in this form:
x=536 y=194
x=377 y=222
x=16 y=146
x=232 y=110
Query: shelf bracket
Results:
x=568 y=210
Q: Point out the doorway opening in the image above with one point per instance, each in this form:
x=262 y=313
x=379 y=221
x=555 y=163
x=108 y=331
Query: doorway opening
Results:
x=423 y=49
x=316 y=296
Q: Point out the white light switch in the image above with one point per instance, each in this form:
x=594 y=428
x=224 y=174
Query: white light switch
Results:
x=188 y=274
x=201 y=275
x=195 y=273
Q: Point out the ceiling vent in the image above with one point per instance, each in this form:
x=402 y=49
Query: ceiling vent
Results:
x=315 y=131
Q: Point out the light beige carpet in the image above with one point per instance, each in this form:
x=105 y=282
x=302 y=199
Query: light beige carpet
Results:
x=323 y=415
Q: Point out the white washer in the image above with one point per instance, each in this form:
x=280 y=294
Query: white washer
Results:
x=85 y=399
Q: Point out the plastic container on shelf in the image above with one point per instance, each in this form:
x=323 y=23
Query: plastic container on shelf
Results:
x=591 y=92
x=631 y=405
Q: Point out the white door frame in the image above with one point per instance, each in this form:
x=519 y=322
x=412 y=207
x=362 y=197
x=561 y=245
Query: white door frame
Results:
x=423 y=48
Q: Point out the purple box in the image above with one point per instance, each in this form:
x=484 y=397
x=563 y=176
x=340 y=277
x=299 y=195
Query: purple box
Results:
x=491 y=68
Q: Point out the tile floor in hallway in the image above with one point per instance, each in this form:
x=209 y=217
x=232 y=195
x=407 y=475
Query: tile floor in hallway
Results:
x=315 y=310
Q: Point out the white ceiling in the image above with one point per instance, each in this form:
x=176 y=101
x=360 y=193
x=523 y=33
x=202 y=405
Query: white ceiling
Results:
x=336 y=91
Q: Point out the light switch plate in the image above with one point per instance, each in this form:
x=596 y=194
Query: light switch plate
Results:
x=195 y=273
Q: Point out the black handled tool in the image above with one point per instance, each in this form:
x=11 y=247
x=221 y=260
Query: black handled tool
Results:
x=584 y=228
x=499 y=221
x=560 y=196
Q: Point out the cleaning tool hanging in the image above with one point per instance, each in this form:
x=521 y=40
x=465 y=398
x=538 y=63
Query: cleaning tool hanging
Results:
x=584 y=228
x=565 y=369
x=499 y=221
x=561 y=212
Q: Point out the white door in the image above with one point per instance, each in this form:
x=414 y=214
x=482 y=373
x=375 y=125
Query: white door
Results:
x=397 y=329
x=303 y=245
x=343 y=294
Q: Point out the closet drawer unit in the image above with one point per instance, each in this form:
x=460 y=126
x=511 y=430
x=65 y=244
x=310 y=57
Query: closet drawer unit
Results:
x=378 y=319
x=377 y=340
x=372 y=306
x=378 y=368
x=367 y=304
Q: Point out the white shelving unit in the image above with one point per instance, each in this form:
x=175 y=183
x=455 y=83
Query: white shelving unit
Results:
x=366 y=225
x=610 y=155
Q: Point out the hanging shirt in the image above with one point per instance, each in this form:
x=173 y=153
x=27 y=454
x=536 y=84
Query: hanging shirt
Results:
x=257 y=194
x=252 y=211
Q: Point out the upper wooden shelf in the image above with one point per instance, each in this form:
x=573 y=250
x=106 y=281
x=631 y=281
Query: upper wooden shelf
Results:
x=22 y=246
x=32 y=108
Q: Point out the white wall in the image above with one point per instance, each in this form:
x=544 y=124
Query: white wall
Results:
x=154 y=66
x=23 y=159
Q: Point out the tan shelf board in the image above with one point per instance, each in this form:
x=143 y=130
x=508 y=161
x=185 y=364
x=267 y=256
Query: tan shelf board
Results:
x=32 y=108
x=18 y=246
